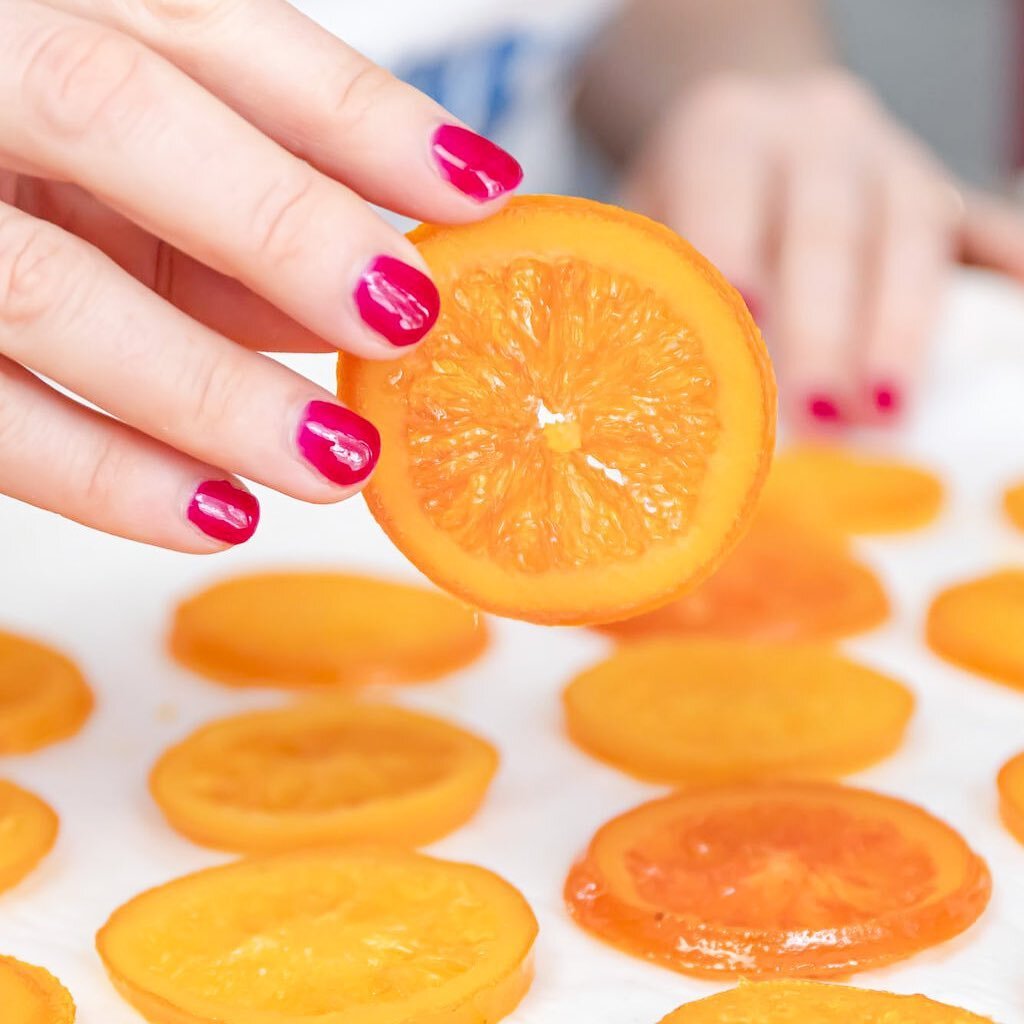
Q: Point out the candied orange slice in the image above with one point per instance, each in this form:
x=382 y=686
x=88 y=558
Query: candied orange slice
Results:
x=30 y=995
x=852 y=493
x=812 y=1002
x=323 y=629
x=1013 y=504
x=28 y=829
x=977 y=625
x=43 y=697
x=795 y=878
x=322 y=773
x=785 y=581
x=585 y=430
x=685 y=711
x=329 y=936
x=1011 y=795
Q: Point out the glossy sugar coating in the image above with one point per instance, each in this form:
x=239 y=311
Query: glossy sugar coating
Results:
x=31 y=995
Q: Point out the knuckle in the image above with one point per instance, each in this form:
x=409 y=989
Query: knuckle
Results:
x=213 y=385
x=179 y=12
x=102 y=473
x=725 y=97
x=34 y=270
x=84 y=78
x=282 y=214
x=356 y=97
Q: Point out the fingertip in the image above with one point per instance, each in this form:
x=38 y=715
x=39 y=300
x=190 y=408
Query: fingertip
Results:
x=339 y=447
x=473 y=166
x=224 y=512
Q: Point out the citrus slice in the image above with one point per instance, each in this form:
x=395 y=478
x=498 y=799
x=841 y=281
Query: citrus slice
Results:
x=322 y=629
x=977 y=625
x=585 y=430
x=785 y=581
x=28 y=829
x=330 y=936
x=811 y=1002
x=43 y=697
x=778 y=879
x=852 y=493
x=30 y=995
x=322 y=773
x=1013 y=504
x=1011 y=796
x=688 y=711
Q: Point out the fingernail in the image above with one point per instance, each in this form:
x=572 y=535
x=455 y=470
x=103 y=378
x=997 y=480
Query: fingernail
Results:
x=752 y=302
x=473 y=164
x=398 y=301
x=338 y=443
x=888 y=399
x=823 y=408
x=224 y=512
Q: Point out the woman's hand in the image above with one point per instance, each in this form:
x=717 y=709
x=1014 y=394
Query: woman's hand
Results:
x=837 y=226
x=178 y=173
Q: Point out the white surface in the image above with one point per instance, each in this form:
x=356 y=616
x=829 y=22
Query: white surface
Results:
x=106 y=602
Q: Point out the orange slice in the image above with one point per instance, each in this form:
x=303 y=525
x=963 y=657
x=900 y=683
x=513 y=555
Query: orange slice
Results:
x=30 y=995
x=1011 y=796
x=678 y=711
x=43 y=697
x=811 y=1002
x=28 y=830
x=331 y=937
x=1013 y=504
x=781 y=879
x=322 y=773
x=323 y=629
x=977 y=625
x=585 y=430
x=852 y=493
x=785 y=581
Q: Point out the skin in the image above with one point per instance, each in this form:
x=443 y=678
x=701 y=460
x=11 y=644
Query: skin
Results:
x=734 y=125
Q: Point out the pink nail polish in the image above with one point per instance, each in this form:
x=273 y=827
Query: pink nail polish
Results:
x=473 y=164
x=824 y=408
x=224 y=512
x=338 y=443
x=888 y=399
x=398 y=301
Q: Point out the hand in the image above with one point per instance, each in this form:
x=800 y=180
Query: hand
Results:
x=177 y=173
x=837 y=226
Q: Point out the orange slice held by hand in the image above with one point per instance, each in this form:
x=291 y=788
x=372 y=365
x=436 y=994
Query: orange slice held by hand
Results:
x=787 y=879
x=786 y=581
x=853 y=493
x=678 y=711
x=1011 y=796
x=323 y=629
x=811 y=1002
x=328 y=937
x=43 y=697
x=28 y=830
x=321 y=773
x=979 y=625
x=30 y=995
x=584 y=432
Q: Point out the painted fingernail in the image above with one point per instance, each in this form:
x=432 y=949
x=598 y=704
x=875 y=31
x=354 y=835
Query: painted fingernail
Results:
x=888 y=399
x=398 y=301
x=224 y=512
x=823 y=408
x=473 y=164
x=339 y=444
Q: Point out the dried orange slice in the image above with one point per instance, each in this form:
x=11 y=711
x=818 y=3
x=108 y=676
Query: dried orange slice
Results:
x=977 y=625
x=685 y=711
x=28 y=829
x=322 y=773
x=852 y=493
x=43 y=697
x=30 y=995
x=1011 y=795
x=323 y=629
x=785 y=581
x=1013 y=504
x=777 y=879
x=585 y=430
x=811 y=1002
x=330 y=936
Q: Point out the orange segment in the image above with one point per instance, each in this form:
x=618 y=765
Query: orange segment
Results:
x=811 y=1002
x=28 y=830
x=321 y=773
x=677 y=711
x=782 y=879
x=331 y=937
x=977 y=625
x=584 y=432
x=1011 y=795
x=43 y=697
x=785 y=581
x=322 y=629
x=30 y=995
x=853 y=493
